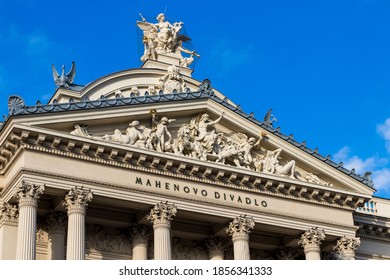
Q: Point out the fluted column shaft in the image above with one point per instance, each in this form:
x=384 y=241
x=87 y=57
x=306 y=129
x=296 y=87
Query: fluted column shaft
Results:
x=25 y=249
x=160 y=216
x=162 y=240
x=76 y=235
x=239 y=229
x=312 y=251
x=241 y=246
x=28 y=205
x=76 y=202
x=311 y=241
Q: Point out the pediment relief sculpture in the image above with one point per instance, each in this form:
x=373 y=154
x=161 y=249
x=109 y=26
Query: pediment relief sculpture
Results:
x=199 y=139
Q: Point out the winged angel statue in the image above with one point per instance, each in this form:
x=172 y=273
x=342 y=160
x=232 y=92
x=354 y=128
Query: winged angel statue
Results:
x=64 y=80
x=163 y=37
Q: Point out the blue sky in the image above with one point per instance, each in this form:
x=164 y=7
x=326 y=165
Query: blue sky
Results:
x=323 y=66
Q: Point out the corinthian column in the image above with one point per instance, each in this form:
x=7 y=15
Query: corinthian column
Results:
x=56 y=222
x=311 y=241
x=76 y=202
x=8 y=230
x=161 y=216
x=239 y=229
x=140 y=235
x=28 y=196
x=216 y=247
x=346 y=247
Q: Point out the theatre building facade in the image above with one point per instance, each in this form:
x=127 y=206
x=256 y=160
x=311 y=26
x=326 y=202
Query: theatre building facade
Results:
x=150 y=163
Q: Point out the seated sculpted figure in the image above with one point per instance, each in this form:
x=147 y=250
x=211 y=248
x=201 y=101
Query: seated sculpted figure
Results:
x=271 y=164
x=206 y=133
x=133 y=133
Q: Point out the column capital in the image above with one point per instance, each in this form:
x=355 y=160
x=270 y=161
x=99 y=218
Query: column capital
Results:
x=241 y=226
x=77 y=199
x=56 y=221
x=216 y=246
x=8 y=213
x=312 y=237
x=28 y=194
x=162 y=213
x=346 y=246
x=216 y=243
x=140 y=234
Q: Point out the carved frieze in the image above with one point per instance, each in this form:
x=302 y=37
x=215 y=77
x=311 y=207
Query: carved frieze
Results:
x=8 y=213
x=188 y=250
x=107 y=239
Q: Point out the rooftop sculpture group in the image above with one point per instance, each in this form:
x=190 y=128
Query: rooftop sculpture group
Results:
x=164 y=38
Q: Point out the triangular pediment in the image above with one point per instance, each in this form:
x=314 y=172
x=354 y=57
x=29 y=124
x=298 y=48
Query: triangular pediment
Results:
x=196 y=127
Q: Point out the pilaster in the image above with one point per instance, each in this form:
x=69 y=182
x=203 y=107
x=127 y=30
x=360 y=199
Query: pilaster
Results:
x=140 y=236
x=56 y=225
x=8 y=230
x=239 y=229
x=216 y=247
x=76 y=202
x=27 y=195
x=161 y=216
x=311 y=241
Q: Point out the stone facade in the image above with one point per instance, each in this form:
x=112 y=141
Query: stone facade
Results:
x=150 y=163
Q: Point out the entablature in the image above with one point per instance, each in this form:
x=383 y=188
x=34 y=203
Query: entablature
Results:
x=168 y=164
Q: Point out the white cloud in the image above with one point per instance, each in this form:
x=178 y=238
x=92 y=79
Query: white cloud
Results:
x=384 y=130
x=381 y=180
x=350 y=162
x=380 y=174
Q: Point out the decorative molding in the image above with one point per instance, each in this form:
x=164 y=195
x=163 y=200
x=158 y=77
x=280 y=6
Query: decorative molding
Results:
x=138 y=159
x=107 y=240
x=205 y=92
